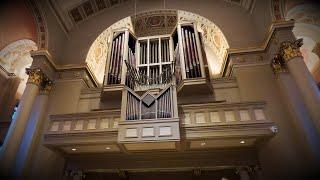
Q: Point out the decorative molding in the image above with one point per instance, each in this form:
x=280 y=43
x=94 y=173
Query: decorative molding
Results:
x=89 y=8
x=40 y=23
x=158 y=22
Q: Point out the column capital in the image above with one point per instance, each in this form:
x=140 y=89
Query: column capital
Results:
x=278 y=65
x=290 y=49
x=46 y=86
x=35 y=76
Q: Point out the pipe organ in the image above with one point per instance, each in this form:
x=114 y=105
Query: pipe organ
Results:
x=114 y=73
x=149 y=106
x=191 y=52
x=147 y=70
x=152 y=59
x=157 y=62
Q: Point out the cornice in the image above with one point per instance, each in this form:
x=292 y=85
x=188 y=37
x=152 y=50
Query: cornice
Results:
x=67 y=67
x=256 y=49
x=264 y=44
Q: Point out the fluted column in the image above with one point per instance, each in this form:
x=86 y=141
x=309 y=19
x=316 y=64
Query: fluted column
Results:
x=18 y=124
x=290 y=54
x=31 y=135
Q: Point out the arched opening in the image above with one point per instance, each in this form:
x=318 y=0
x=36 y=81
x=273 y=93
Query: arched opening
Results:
x=14 y=59
x=307 y=26
x=160 y=22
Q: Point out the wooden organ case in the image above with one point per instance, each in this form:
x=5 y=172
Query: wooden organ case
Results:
x=146 y=74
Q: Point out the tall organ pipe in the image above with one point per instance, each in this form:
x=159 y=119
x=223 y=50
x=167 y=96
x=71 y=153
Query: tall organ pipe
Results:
x=188 y=52
x=196 y=54
x=111 y=62
x=194 y=64
x=185 y=54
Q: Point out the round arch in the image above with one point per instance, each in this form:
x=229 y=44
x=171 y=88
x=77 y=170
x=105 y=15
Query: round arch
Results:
x=215 y=43
x=15 y=58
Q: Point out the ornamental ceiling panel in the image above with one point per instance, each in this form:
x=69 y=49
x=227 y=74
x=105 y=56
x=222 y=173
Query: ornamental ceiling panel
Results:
x=154 y=23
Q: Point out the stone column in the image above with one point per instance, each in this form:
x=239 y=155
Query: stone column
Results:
x=296 y=107
x=290 y=54
x=31 y=135
x=18 y=124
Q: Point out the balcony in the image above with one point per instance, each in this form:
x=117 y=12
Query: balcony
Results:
x=150 y=121
x=83 y=132
x=225 y=125
x=200 y=127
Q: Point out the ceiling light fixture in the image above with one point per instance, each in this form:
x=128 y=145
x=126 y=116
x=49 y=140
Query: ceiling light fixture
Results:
x=108 y=148
x=73 y=149
x=203 y=143
x=242 y=142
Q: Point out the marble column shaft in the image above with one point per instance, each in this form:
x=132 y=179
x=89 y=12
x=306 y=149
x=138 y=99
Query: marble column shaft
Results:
x=299 y=112
x=16 y=131
x=307 y=86
x=31 y=135
x=291 y=55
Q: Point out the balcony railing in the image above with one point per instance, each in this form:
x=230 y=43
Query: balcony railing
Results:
x=64 y=128
x=226 y=120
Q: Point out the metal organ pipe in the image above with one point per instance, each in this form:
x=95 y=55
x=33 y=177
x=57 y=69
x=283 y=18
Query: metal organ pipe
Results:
x=189 y=53
x=194 y=64
x=168 y=52
x=196 y=54
x=120 y=59
x=115 y=61
x=111 y=62
x=185 y=54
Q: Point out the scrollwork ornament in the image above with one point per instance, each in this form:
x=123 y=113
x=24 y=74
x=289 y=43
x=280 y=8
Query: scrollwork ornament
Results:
x=289 y=49
x=35 y=76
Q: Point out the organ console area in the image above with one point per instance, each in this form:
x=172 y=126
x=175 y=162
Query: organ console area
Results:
x=149 y=73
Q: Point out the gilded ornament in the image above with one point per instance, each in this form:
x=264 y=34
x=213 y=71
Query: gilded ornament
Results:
x=35 y=76
x=278 y=64
x=289 y=50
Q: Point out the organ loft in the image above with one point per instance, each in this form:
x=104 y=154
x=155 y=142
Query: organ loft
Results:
x=164 y=89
